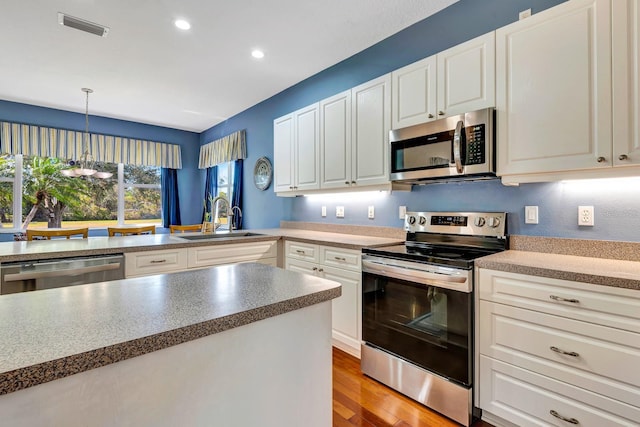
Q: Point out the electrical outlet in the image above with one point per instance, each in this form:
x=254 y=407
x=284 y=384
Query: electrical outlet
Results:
x=371 y=213
x=324 y=211
x=530 y=214
x=585 y=215
x=524 y=14
x=402 y=211
x=339 y=211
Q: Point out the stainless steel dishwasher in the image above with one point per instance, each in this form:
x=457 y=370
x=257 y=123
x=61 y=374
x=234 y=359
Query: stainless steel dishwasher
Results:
x=27 y=276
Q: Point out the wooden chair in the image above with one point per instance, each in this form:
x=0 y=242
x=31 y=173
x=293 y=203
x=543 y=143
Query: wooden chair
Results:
x=47 y=234
x=131 y=231
x=183 y=228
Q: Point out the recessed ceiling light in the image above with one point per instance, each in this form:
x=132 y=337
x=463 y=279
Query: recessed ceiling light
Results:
x=257 y=53
x=182 y=24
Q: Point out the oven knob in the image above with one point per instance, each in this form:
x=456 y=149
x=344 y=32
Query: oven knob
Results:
x=494 y=222
x=479 y=221
x=411 y=220
x=423 y=220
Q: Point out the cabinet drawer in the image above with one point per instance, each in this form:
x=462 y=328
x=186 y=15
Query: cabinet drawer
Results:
x=340 y=258
x=303 y=251
x=527 y=399
x=154 y=262
x=602 y=305
x=301 y=266
x=594 y=357
x=204 y=256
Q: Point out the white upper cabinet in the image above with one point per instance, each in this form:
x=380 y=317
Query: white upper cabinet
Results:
x=554 y=90
x=371 y=116
x=414 y=93
x=466 y=76
x=626 y=82
x=296 y=150
x=455 y=81
x=335 y=141
x=568 y=93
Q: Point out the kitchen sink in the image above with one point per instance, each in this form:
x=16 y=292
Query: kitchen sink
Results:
x=221 y=235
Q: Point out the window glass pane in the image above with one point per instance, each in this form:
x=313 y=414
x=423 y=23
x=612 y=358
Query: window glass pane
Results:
x=142 y=205
x=7 y=166
x=223 y=174
x=6 y=204
x=141 y=174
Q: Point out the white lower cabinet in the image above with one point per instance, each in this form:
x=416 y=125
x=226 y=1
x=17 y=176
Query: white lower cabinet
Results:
x=556 y=352
x=261 y=252
x=173 y=260
x=340 y=265
x=154 y=262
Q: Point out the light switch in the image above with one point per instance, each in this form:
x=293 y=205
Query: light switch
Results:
x=402 y=211
x=371 y=213
x=324 y=211
x=530 y=214
x=339 y=211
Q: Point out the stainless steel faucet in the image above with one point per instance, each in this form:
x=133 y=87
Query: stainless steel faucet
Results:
x=214 y=225
x=232 y=227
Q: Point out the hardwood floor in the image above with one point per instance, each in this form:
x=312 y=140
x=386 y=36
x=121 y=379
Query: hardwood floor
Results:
x=360 y=401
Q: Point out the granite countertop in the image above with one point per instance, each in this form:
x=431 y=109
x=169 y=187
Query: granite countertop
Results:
x=54 y=333
x=598 y=271
x=47 y=249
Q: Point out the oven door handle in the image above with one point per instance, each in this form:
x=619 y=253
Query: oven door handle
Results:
x=441 y=280
x=457 y=146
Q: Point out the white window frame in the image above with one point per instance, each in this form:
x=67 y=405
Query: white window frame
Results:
x=121 y=188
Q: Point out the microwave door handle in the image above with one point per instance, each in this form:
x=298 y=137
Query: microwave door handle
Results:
x=457 y=146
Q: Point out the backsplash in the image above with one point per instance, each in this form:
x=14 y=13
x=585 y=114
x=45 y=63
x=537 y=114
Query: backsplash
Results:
x=616 y=205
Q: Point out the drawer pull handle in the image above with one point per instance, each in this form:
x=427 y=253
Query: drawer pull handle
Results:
x=571 y=300
x=567 y=353
x=320 y=270
x=157 y=261
x=560 y=417
x=300 y=251
x=337 y=258
x=315 y=269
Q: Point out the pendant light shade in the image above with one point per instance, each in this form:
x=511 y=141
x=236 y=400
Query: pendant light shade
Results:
x=86 y=162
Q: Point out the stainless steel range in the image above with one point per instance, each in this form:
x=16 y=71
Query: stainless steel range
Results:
x=417 y=307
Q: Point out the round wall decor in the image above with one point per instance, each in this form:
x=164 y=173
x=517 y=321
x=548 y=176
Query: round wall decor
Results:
x=262 y=173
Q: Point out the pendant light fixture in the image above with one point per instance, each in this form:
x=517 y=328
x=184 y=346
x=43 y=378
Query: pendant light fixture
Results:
x=86 y=163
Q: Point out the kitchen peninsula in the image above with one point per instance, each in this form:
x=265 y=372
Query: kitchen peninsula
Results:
x=242 y=344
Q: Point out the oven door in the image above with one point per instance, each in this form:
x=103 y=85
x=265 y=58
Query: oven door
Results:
x=421 y=313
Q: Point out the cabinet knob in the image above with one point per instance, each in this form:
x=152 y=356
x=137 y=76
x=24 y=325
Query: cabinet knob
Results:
x=430 y=116
x=315 y=269
x=290 y=188
x=623 y=157
x=441 y=113
x=353 y=182
x=320 y=270
x=601 y=159
x=346 y=182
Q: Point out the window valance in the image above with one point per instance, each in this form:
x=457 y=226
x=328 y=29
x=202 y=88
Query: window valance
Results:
x=18 y=138
x=226 y=149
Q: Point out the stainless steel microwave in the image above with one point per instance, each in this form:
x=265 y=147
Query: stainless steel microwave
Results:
x=461 y=147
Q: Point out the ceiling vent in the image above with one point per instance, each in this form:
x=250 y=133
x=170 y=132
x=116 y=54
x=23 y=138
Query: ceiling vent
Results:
x=82 y=25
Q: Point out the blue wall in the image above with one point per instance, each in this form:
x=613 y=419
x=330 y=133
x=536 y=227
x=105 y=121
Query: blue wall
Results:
x=189 y=182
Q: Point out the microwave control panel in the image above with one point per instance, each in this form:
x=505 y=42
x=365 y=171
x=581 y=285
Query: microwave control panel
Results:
x=475 y=149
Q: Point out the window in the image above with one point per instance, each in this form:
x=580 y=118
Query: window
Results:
x=132 y=195
x=225 y=188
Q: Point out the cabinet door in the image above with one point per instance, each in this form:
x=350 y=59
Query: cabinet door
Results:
x=371 y=110
x=346 y=308
x=413 y=93
x=307 y=143
x=553 y=95
x=626 y=82
x=466 y=76
x=283 y=133
x=335 y=141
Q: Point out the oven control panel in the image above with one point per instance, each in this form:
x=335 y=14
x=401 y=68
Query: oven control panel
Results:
x=463 y=223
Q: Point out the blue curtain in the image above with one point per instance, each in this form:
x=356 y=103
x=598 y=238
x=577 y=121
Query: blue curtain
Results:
x=237 y=192
x=170 y=200
x=210 y=189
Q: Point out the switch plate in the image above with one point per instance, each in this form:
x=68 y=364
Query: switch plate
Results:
x=524 y=14
x=530 y=214
x=402 y=211
x=371 y=213
x=339 y=211
x=324 y=211
x=585 y=216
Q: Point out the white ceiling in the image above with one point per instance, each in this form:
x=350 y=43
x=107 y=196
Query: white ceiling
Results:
x=146 y=70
